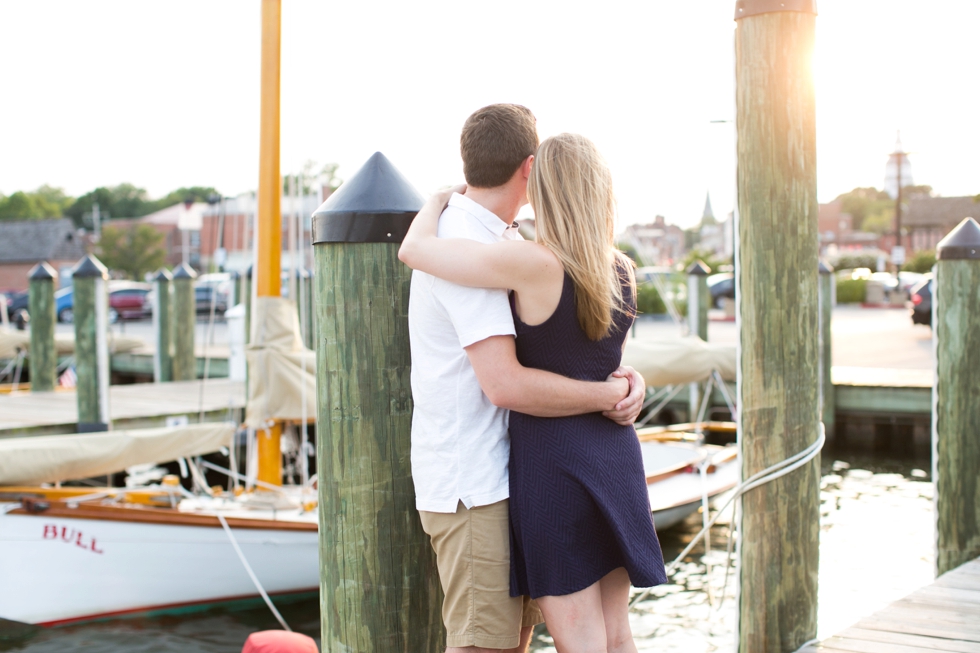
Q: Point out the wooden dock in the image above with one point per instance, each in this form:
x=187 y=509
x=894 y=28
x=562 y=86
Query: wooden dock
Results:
x=943 y=616
x=138 y=405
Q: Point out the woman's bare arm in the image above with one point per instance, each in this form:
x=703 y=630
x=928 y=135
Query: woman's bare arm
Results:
x=508 y=264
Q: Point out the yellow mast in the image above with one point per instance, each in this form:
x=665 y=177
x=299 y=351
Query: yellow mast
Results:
x=268 y=244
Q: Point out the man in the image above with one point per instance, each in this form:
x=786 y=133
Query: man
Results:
x=465 y=378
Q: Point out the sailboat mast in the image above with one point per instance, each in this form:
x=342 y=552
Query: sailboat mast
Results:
x=268 y=245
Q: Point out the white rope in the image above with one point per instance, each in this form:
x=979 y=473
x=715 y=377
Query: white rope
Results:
x=767 y=475
x=251 y=574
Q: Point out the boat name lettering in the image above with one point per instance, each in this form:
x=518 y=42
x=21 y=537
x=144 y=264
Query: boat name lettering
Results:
x=70 y=536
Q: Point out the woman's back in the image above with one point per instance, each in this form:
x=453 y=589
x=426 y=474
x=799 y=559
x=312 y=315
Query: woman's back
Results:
x=579 y=504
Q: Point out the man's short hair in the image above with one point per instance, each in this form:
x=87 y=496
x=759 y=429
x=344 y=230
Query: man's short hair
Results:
x=495 y=142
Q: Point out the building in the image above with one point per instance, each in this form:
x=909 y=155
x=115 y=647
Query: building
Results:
x=658 y=243
x=928 y=219
x=25 y=243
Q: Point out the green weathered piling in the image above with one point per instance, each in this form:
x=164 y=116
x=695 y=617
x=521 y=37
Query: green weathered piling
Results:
x=183 y=325
x=778 y=383
x=304 y=305
x=956 y=396
x=247 y=298
x=90 y=301
x=44 y=356
x=698 y=301
x=828 y=406
x=163 y=366
x=236 y=289
x=379 y=590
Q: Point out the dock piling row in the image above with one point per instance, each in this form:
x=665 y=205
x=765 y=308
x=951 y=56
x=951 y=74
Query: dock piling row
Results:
x=184 y=321
x=90 y=306
x=163 y=369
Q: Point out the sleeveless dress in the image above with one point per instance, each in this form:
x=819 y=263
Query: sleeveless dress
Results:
x=579 y=506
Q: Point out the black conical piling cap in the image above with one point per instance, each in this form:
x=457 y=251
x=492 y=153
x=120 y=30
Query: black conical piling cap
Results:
x=698 y=269
x=42 y=272
x=248 y=272
x=376 y=205
x=962 y=243
x=234 y=275
x=89 y=267
x=184 y=271
x=824 y=267
x=163 y=275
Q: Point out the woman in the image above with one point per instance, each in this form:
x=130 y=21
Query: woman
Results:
x=581 y=527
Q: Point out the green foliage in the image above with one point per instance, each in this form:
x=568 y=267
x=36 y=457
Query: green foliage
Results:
x=862 y=202
x=921 y=261
x=630 y=251
x=851 y=291
x=648 y=300
x=45 y=202
x=129 y=201
x=133 y=250
x=709 y=258
x=313 y=175
x=852 y=261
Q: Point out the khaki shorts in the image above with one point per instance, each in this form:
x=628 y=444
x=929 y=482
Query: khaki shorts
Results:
x=473 y=555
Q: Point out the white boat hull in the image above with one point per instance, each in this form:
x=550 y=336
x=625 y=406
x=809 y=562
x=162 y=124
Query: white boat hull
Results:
x=56 y=570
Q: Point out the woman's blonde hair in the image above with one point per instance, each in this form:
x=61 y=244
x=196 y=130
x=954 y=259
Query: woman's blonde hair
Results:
x=570 y=190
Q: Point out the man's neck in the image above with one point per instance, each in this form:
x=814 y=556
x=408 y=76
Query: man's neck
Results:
x=503 y=201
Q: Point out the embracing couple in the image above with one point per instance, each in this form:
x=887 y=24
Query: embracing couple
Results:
x=528 y=474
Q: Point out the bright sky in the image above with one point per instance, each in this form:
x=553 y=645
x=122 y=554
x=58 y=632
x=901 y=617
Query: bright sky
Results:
x=166 y=94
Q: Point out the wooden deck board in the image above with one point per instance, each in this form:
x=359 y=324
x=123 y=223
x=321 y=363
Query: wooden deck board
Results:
x=141 y=404
x=943 y=617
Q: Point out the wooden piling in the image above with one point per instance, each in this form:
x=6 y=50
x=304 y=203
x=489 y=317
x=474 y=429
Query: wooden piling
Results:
x=183 y=324
x=776 y=265
x=90 y=299
x=247 y=298
x=956 y=407
x=379 y=589
x=44 y=356
x=828 y=405
x=163 y=366
x=698 y=300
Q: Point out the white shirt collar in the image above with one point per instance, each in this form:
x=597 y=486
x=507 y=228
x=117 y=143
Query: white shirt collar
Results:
x=487 y=218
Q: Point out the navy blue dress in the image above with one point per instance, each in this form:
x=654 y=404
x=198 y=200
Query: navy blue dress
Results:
x=579 y=506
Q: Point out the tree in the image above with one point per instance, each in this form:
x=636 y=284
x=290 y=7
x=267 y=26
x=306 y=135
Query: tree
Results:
x=921 y=261
x=133 y=250
x=45 y=202
x=122 y=201
x=313 y=176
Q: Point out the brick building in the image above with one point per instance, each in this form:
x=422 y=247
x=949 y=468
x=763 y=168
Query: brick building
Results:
x=25 y=243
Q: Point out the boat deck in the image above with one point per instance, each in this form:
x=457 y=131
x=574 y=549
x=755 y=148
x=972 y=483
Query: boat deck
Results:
x=139 y=405
x=943 y=616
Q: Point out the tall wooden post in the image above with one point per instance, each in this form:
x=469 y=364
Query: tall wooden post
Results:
x=163 y=366
x=90 y=299
x=247 y=298
x=956 y=396
x=776 y=263
x=698 y=299
x=184 y=323
x=236 y=289
x=828 y=405
x=379 y=589
x=44 y=356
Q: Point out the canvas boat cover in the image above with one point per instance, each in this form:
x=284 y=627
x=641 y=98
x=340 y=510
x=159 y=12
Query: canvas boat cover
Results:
x=12 y=340
x=669 y=361
x=51 y=458
x=280 y=367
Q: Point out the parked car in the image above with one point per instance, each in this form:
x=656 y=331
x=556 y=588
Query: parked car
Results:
x=16 y=302
x=922 y=302
x=203 y=296
x=126 y=302
x=63 y=305
x=721 y=285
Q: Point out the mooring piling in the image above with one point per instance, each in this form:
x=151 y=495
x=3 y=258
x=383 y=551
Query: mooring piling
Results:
x=956 y=409
x=44 y=357
x=828 y=406
x=698 y=300
x=379 y=589
x=90 y=299
x=184 y=321
x=777 y=244
x=163 y=369
x=247 y=298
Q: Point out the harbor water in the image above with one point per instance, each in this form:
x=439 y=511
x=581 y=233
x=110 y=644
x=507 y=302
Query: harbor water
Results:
x=876 y=546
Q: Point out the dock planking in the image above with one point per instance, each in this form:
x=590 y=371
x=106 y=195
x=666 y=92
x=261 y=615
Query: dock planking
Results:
x=941 y=617
x=138 y=405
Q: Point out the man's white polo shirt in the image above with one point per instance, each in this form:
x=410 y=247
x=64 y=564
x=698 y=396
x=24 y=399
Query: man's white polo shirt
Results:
x=460 y=444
